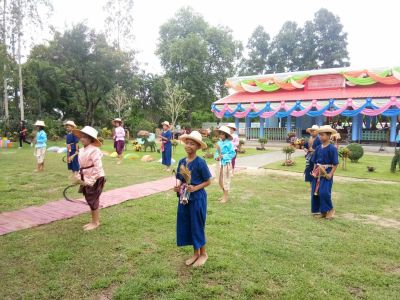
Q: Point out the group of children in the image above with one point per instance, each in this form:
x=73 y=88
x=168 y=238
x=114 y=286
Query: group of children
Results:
x=321 y=164
x=86 y=165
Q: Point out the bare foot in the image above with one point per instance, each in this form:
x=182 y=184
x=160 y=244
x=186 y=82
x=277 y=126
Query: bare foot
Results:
x=330 y=214
x=118 y=162
x=223 y=200
x=91 y=226
x=86 y=225
x=320 y=216
x=191 y=260
x=200 y=261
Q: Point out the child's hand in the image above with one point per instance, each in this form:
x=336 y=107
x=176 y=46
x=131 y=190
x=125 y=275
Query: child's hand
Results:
x=176 y=189
x=328 y=176
x=192 y=188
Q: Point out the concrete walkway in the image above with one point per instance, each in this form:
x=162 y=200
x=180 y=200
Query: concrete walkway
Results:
x=58 y=210
x=260 y=160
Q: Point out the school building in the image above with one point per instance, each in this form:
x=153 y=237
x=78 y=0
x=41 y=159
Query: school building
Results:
x=363 y=104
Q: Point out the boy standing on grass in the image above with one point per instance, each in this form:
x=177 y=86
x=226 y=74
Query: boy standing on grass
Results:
x=22 y=134
x=224 y=155
x=91 y=177
x=40 y=145
x=192 y=176
x=325 y=160
x=72 y=147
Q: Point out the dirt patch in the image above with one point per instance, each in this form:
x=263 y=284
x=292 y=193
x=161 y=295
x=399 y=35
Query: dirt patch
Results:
x=106 y=294
x=372 y=219
x=356 y=292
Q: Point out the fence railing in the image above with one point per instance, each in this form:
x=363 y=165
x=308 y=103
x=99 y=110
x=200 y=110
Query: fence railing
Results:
x=272 y=134
x=374 y=135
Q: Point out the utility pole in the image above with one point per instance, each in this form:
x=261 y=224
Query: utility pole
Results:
x=5 y=96
x=21 y=91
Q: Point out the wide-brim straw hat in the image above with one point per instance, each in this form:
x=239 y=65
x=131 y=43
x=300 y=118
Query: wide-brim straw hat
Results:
x=116 y=120
x=225 y=129
x=326 y=129
x=231 y=125
x=90 y=131
x=194 y=136
x=40 y=123
x=312 y=128
x=166 y=123
x=70 y=123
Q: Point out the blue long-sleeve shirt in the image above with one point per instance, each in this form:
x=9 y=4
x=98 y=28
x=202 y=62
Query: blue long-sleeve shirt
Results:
x=227 y=151
x=41 y=139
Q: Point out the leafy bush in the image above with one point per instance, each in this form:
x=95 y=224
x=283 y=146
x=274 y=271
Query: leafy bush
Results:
x=209 y=143
x=356 y=152
x=262 y=141
x=288 y=150
x=105 y=133
x=54 y=138
x=344 y=153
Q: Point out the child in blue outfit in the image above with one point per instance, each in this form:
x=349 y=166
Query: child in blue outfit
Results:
x=325 y=160
x=224 y=155
x=310 y=147
x=166 y=145
x=40 y=145
x=192 y=176
x=72 y=147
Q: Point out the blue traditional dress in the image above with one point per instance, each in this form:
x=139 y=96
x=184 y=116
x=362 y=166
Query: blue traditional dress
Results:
x=191 y=217
x=166 y=148
x=309 y=163
x=326 y=156
x=71 y=142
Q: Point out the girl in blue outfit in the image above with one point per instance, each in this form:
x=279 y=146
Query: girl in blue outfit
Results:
x=192 y=206
x=166 y=145
x=325 y=160
x=310 y=147
x=72 y=147
x=224 y=155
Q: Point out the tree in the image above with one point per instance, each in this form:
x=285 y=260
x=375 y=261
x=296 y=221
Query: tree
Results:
x=286 y=49
x=25 y=13
x=85 y=69
x=331 y=41
x=258 y=52
x=309 y=55
x=4 y=59
x=198 y=57
x=118 y=99
x=175 y=100
x=119 y=21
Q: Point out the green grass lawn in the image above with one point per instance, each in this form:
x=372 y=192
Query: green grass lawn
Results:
x=21 y=187
x=358 y=170
x=263 y=244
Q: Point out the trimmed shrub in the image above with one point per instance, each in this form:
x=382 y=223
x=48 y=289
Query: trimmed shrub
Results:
x=356 y=152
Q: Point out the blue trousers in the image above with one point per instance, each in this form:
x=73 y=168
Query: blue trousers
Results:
x=323 y=201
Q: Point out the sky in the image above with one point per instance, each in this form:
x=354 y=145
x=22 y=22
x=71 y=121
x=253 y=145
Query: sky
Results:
x=371 y=26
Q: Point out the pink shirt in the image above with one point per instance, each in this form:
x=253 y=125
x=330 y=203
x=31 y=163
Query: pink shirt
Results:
x=235 y=141
x=119 y=133
x=88 y=156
